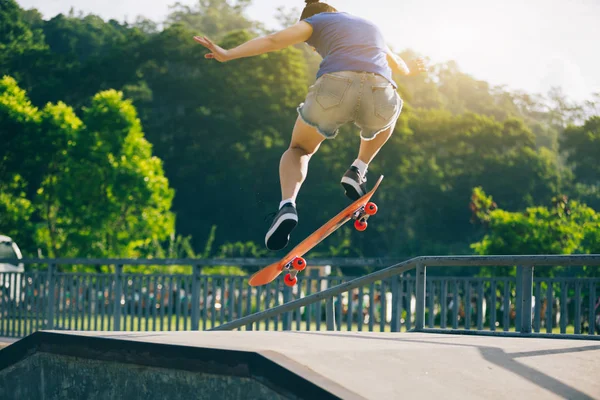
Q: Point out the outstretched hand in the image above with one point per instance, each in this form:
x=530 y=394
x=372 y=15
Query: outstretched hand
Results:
x=417 y=66
x=216 y=52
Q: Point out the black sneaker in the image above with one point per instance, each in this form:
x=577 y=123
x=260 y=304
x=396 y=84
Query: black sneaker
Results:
x=354 y=183
x=283 y=224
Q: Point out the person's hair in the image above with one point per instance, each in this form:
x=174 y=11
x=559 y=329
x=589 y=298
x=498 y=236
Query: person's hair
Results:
x=315 y=7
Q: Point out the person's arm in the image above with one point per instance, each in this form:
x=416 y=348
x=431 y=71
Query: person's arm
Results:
x=295 y=34
x=398 y=65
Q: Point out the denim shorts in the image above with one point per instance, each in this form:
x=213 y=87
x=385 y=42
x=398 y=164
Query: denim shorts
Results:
x=368 y=100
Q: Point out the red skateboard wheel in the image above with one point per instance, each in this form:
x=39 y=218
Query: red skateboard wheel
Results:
x=289 y=281
x=360 y=225
x=299 y=263
x=371 y=208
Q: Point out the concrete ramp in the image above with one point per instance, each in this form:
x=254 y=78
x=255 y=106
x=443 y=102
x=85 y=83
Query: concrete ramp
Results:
x=296 y=365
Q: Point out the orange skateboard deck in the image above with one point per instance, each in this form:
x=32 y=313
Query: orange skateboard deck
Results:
x=360 y=211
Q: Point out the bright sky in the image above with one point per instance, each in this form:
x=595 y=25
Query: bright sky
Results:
x=523 y=44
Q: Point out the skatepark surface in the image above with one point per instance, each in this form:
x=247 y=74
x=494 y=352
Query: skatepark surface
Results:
x=294 y=364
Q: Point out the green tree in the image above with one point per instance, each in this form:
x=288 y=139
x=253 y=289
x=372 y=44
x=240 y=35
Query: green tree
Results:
x=581 y=146
x=22 y=49
x=433 y=163
x=214 y=18
x=18 y=165
x=567 y=227
x=15 y=210
x=93 y=188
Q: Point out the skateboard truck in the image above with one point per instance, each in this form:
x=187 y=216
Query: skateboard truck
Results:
x=296 y=265
x=362 y=215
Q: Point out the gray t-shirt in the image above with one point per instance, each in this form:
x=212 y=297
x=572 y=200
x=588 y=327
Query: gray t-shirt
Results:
x=348 y=43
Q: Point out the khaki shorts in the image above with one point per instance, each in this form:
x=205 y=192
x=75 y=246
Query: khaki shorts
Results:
x=368 y=100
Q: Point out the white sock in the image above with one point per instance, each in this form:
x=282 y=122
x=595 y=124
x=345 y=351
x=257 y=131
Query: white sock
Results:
x=290 y=200
x=362 y=167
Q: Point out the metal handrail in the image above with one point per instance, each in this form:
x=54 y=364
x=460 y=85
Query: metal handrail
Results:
x=419 y=264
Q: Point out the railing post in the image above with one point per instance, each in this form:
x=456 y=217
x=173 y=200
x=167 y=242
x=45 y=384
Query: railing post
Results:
x=118 y=294
x=420 y=301
x=196 y=269
x=526 y=297
x=287 y=317
x=50 y=299
x=577 y=319
x=592 y=309
x=396 y=304
x=519 y=299
x=330 y=314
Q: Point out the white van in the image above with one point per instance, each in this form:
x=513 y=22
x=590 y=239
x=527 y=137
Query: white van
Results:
x=9 y=283
x=9 y=249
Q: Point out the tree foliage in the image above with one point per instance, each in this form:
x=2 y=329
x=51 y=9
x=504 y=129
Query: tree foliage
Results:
x=78 y=176
x=86 y=187
x=567 y=227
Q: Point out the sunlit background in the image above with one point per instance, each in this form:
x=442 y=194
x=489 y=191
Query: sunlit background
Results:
x=527 y=45
x=122 y=141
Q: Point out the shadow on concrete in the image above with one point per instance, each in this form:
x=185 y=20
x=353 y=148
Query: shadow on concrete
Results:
x=507 y=361
x=500 y=358
x=553 y=351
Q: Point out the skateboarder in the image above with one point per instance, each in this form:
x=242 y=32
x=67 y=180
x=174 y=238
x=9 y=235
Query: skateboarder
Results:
x=354 y=84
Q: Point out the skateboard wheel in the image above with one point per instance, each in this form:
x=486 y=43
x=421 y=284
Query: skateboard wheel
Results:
x=371 y=208
x=299 y=263
x=360 y=225
x=289 y=281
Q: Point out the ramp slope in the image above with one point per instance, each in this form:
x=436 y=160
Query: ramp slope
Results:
x=281 y=365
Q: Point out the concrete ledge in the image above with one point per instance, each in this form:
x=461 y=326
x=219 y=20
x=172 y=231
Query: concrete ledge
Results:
x=275 y=371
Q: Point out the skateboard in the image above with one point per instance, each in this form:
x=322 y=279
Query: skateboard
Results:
x=293 y=262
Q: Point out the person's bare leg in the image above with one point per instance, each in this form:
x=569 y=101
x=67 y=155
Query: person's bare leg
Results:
x=369 y=148
x=354 y=180
x=293 y=166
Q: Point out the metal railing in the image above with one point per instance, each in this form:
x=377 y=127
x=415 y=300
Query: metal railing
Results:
x=398 y=298
x=527 y=316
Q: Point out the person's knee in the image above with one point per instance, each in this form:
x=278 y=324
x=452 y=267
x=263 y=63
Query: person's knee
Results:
x=303 y=149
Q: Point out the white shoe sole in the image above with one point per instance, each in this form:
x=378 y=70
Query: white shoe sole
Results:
x=282 y=219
